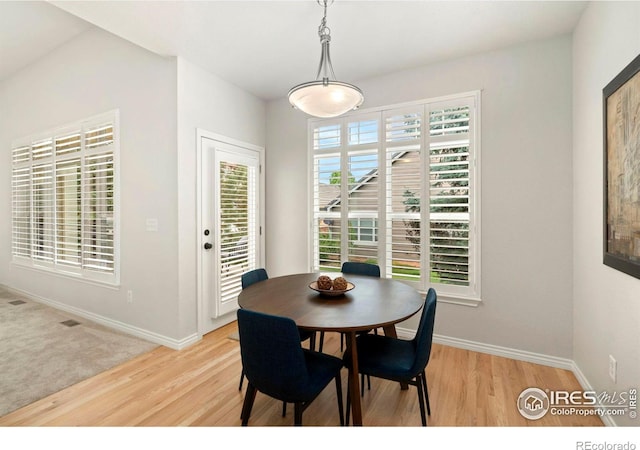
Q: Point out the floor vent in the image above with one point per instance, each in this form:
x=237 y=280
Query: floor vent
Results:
x=70 y=323
x=17 y=302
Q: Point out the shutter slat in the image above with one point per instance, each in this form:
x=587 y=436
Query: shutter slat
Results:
x=327 y=137
x=362 y=132
x=20 y=154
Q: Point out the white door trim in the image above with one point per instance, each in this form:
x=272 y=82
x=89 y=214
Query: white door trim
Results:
x=200 y=135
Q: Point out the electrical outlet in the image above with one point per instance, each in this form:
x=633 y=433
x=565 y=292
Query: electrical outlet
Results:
x=129 y=296
x=613 y=368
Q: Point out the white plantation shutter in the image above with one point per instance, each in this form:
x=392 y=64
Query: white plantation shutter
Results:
x=326 y=212
x=67 y=146
x=42 y=200
x=68 y=143
x=449 y=194
x=362 y=132
x=238 y=222
x=327 y=136
x=404 y=192
x=97 y=211
x=363 y=199
x=42 y=208
x=21 y=202
x=64 y=200
x=68 y=211
x=98 y=135
x=21 y=215
x=42 y=149
x=410 y=178
x=327 y=192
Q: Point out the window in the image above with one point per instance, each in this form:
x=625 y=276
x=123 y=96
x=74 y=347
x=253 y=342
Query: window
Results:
x=399 y=187
x=64 y=200
x=363 y=231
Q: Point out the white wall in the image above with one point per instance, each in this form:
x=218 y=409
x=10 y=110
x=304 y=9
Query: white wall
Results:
x=210 y=103
x=162 y=101
x=94 y=73
x=606 y=301
x=526 y=190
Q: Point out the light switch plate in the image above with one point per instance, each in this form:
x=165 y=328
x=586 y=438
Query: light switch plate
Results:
x=152 y=225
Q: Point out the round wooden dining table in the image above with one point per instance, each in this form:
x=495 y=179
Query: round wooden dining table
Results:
x=372 y=303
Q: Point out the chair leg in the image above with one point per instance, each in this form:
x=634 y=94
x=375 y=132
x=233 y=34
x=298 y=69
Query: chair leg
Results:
x=362 y=384
x=249 y=398
x=339 y=395
x=240 y=386
x=342 y=339
x=321 y=344
x=348 y=403
x=421 y=400
x=297 y=412
x=312 y=342
x=426 y=392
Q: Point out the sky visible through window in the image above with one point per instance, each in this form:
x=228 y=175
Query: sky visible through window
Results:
x=363 y=132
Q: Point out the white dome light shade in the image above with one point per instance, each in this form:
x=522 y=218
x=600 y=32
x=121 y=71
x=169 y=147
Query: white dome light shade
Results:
x=325 y=99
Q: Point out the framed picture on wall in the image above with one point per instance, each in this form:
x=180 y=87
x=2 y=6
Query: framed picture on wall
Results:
x=621 y=117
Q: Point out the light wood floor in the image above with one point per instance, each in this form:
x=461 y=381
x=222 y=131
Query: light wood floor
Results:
x=198 y=386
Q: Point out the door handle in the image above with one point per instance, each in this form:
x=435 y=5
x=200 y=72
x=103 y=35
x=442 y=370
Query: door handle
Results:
x=208 y=246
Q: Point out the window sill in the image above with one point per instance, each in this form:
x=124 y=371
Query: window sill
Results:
x=457 y=300
x=68 y=275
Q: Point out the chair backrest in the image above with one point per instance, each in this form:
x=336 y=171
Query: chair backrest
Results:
x=272 y=357
x=253 y=276
x=424 y=335
x=358 y=268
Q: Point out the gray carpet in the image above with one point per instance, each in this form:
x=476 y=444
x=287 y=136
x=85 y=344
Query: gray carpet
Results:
x=43 y=350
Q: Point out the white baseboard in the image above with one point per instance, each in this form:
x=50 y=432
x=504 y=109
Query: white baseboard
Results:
x=586 y=386
x=506 y=352
x=176 y=344
x=520 y=355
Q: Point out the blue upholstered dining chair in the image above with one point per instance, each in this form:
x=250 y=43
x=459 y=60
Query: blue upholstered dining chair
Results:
x=400 y=360
x=255 y=276
x=354 y=268
x=276 y=364
x=360 y=268
x=247 y=279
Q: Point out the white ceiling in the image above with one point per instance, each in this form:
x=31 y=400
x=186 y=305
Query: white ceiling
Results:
x=266 y=47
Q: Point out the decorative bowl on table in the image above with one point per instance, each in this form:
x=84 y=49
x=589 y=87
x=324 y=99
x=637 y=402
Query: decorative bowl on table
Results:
x=331 y=288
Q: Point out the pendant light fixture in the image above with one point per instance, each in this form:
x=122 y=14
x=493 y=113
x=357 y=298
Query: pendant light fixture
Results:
x=325 y=97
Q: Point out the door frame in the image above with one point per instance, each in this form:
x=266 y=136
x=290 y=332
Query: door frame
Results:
x=200 y=253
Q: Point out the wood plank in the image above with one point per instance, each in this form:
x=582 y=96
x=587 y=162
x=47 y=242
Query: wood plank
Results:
x=198 y=386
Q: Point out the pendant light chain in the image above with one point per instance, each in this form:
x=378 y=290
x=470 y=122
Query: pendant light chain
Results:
x=325 y=68
x=323 y=29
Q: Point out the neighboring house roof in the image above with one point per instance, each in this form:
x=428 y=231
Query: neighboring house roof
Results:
x=363 y=181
